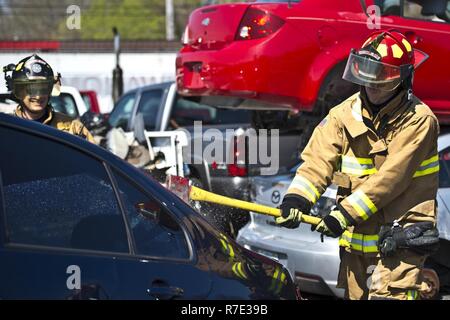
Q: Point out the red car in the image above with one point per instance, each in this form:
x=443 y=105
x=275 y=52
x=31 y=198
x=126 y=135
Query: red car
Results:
x=292 y=54
x=90 y=98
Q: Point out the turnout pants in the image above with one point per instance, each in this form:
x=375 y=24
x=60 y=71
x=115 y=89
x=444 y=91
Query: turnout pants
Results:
x=398 y=277
x=354 y=274
x=367 y=277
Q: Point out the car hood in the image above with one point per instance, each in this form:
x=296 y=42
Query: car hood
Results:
x=443 y=219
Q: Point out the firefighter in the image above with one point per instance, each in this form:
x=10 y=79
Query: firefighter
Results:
x=32 y=82
x=379 y=147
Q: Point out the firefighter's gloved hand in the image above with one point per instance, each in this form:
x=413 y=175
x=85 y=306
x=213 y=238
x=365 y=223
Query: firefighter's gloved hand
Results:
x=291 y=215
x=332 y=225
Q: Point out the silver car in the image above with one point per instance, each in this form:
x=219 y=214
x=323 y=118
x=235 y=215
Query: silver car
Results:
x=314 y=263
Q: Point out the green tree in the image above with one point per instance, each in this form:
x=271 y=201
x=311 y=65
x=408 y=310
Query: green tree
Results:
x=135 y=20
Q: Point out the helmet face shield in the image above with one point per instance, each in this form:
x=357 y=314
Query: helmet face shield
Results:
x=368 y=72
x=21 y=89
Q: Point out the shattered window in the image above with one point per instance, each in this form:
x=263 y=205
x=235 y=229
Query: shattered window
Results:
x=57 y=196
x=156 y=233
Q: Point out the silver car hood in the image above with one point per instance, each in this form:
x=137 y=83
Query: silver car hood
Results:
x=443 y=218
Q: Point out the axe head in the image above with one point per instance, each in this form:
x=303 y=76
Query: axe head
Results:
x=179 y=185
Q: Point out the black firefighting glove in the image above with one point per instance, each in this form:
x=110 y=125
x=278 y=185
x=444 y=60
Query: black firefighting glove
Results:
x=292 y=209
x=421 y=237
x=333 y=224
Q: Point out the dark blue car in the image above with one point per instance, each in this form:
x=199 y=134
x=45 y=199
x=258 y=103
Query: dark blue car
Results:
x=76 y=222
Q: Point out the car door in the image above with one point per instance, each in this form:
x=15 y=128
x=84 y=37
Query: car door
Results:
x=61 y=226
x=163 y=265
x=426 y=24
x=443 y=196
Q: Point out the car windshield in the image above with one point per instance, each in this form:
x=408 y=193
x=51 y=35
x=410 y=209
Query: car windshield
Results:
x=186 y=111
x=121 y=113
x=64 y=103
x=87 y=100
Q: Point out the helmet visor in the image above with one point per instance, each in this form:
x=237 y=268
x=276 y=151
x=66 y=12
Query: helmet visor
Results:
x=371 y=73
x=21 y=89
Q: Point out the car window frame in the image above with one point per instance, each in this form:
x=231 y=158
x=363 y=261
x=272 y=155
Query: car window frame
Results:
x=190 y=243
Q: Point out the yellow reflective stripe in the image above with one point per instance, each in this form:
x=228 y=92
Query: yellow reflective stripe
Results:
x=305 y=186
x=227 y=248
x=412 y=295
x=362 y=204
x=273 y=285
x=371 y=249
x=361 y=242
x=237 y=270
x=428 y=161
x=370 y=237
x=240 y=270
x=428 y=166
x=357 y=166
x=426 y=172
x=357 y=160
x=278 y=278
x=280 y=282
x=358 y=172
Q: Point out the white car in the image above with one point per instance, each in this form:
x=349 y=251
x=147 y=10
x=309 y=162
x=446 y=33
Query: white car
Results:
x=69 y=102
x=314 y=264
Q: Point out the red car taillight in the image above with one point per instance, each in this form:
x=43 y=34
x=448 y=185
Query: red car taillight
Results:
x=257 y=24
x=237 y=168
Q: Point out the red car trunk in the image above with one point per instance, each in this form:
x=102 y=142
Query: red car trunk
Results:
x=213 y=27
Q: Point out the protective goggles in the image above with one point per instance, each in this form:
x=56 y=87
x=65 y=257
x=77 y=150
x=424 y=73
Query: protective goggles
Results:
x=21 y=89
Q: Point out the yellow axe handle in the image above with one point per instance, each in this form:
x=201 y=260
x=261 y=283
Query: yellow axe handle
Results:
x=202 y=195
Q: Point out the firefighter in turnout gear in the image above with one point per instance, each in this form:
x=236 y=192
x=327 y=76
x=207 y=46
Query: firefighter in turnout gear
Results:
x=379 y=147
x=32 y=82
